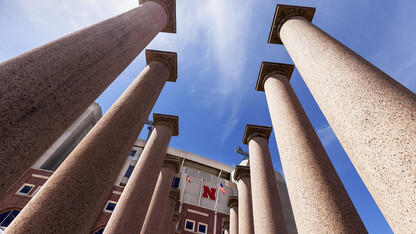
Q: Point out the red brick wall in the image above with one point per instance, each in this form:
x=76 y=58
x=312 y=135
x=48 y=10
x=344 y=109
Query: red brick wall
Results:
x=186 y=214
x=16 y=201
x=105 y=216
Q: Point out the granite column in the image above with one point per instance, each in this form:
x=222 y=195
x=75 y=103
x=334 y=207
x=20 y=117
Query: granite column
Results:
x=372 y=115
x=175 y=219
x=168 y=218
x=233 y=205
x=80 y=186
x=267 y=206
x=226 y=225
x=245 y=206
x=43 y=91
x=319 y=200
x=131 y=209
x=159 y=206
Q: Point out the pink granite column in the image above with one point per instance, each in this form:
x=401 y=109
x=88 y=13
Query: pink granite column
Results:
x=232 y=203
x=131 y=209
x=372 y=115
x=226 y=225
x=175 y=219
x=80 y=186
x=168 y=217
x=245 y=207
x=267 y=207
x=319 y=200
x=43 y=91
x=159 y=205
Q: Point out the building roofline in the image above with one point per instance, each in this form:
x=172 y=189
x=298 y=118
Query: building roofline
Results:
x=192 y=157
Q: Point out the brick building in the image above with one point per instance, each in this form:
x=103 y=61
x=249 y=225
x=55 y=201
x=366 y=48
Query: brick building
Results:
x=202 y=205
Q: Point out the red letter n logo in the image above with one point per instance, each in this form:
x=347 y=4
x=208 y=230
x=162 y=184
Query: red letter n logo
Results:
x=209 y=192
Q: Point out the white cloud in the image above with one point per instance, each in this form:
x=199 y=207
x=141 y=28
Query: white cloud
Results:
x=213 y=35
x=326 y=135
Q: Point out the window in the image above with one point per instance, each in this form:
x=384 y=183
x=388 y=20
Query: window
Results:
x=202 y=228
x=129 y=171
x=36 y=191
x=7 y=217
x=175 y=182
x=25 y=189
x=99 y=231
x=110 y=206
x=133 y=152
x=189 y=225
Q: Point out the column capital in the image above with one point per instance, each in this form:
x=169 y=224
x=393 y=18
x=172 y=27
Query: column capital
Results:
x=170 y=8
x=232 y=201
x=166 y=57
x=256 y=130
x=173 y=164
x=282 y=14
x=225 y=223
x=267 y=69
x=175 y=194
x=171 y=121
x=240 y=172
x=176 y=217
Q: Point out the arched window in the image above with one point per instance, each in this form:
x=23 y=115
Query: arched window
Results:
x=7 y=217
x=99 y=231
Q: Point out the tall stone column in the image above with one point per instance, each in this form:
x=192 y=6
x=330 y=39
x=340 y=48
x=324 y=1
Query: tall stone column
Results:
x=232 y=203
x=43 y=91
x=175 y=219
x=245 y=207
x=267 y=207
x=80 y=186
x=131 y=209
x=159 y=207
x=319 y=200
x=168 y=216
x=226 y=225
x=372 y=115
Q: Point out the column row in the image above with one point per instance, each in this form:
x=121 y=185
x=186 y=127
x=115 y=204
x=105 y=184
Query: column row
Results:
x=45 y=90
x=371 y=114
x=80 y=185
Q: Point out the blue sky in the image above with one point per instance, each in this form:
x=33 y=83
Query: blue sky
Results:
x=220 y=46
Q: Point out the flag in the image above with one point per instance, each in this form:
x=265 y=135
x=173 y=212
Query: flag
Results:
x=187 y=179
x=222 y=189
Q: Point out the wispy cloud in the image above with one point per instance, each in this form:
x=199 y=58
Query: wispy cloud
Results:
x=326 y=135
x=213 y=35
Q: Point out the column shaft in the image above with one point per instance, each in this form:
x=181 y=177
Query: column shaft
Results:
x=74 y=195
x=174 y=221
x=267 y=207
x=167 y=221
x=320 y=202
x=45 y=90
x=372 y=115
x=233 y=220
x=131 y=209
x=158 y=207
x=245 y=207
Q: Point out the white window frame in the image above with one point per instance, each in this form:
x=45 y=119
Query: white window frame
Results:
x=36 y=191
x=25 y=194
x=106 y=204
x=206 y=228
x=193 y=226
